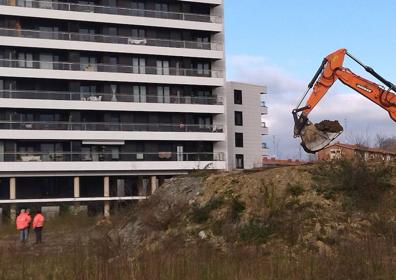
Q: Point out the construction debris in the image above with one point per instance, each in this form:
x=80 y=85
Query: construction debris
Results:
x=329 y=126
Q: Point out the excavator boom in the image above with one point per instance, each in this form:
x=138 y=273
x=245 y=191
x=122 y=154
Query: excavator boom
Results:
x=315 y=137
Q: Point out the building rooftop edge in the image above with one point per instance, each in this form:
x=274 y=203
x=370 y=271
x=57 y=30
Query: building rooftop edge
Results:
x=246 y=83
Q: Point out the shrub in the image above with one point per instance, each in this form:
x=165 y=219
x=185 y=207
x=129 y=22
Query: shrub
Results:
x=236 y=208
x=295 y=189
x=358 y=180
x=255 y=232
x=201 y=214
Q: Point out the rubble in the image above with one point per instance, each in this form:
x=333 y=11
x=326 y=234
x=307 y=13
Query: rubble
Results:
x=329 y=126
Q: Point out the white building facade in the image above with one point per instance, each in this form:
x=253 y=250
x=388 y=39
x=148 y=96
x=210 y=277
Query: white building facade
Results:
x=101 y=100
x=246 y=126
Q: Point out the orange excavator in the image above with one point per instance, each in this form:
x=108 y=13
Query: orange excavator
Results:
x=315 y=137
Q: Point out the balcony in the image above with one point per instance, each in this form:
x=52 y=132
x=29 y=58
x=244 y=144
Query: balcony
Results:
x=117 y=68
x=106 y=156
x=110 y=97
x=108 y=126
x=63 y=6
x=72 y=36
x=264 y=128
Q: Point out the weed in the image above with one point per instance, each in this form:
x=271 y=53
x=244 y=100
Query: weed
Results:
x=236 y=208
x=360 y=181
x=201 y=214
x=295 y=189
x=255 y=232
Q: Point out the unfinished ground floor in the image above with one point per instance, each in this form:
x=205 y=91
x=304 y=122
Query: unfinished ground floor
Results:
x=96 y=194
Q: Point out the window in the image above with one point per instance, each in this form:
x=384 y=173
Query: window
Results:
x=204 y=123
x=163 y=7
x=335 y=154
x=88 y=63
x=163 y=94
x=238 y=97
x=239 y=162
x=115 y=153
x=203 y=42
x=25 y=60
x=138 y=8
x=138 y=33
x=87 y=34
x=139 y=93
x=137 y=5
x=139 y=65
x=203 y=69
x=238 y=118
x=239 y=140
x=162 y=67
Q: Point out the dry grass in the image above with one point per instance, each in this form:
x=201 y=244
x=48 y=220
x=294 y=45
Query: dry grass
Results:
x=100 y=259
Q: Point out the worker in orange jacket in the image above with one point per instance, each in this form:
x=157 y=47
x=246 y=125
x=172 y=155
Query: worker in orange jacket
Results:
x=38 y=224
x=22 y=224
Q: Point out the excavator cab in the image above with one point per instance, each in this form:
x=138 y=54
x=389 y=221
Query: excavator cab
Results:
x=315 y=137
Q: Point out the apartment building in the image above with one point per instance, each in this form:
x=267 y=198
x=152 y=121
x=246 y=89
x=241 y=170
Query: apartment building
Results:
x=101 y=100
x=246 y=127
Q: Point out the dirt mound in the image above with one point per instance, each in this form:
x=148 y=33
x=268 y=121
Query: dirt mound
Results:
x=290 y=207
x=329 y=126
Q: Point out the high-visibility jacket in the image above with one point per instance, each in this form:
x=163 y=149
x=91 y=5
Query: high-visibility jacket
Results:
x=38 y=221
x=22 y=221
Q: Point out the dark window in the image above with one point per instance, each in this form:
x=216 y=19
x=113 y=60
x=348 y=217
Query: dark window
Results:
x=239 y=162
x=238 y=118
x=239 y=140
x=237 y=96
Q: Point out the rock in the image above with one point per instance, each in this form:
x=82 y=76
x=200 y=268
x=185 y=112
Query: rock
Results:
x=323 y=248
x=317 y=228
x=202 y=234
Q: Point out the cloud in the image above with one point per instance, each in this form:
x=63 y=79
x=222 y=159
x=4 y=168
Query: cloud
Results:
x=359 y=115
x=258 y=70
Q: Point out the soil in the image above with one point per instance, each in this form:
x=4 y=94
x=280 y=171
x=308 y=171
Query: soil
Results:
x=329 y=126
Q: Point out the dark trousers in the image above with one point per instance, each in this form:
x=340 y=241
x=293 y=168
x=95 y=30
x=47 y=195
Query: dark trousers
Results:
x=38 y=231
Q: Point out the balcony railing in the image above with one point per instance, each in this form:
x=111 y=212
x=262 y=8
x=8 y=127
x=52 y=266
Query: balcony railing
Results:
x=118 y=68
x=109 y=126
x=116 y=97
x=63 y=6
x=108 y=156
x=73 y=36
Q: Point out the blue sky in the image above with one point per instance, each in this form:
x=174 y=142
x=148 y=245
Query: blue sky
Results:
x=281 y=44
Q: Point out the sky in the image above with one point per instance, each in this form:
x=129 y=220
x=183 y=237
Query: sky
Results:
x=281 y=44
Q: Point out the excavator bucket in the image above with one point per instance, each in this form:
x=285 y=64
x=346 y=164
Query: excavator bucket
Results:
x=315 y=137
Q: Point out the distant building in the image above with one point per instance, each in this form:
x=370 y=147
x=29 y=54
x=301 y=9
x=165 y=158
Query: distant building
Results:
x=246 y=127
x=347 y=151
x=271 y=162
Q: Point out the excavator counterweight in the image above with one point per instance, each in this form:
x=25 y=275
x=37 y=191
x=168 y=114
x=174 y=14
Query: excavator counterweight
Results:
x=315 y=137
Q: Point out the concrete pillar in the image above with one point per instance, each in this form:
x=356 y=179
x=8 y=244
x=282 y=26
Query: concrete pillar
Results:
x=154 y=184
x=76 y=187
x=76 y=193
x=12 y=188
x=106 y=193
x=13 y=212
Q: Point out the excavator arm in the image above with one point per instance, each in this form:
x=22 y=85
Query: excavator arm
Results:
x=317 y=136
